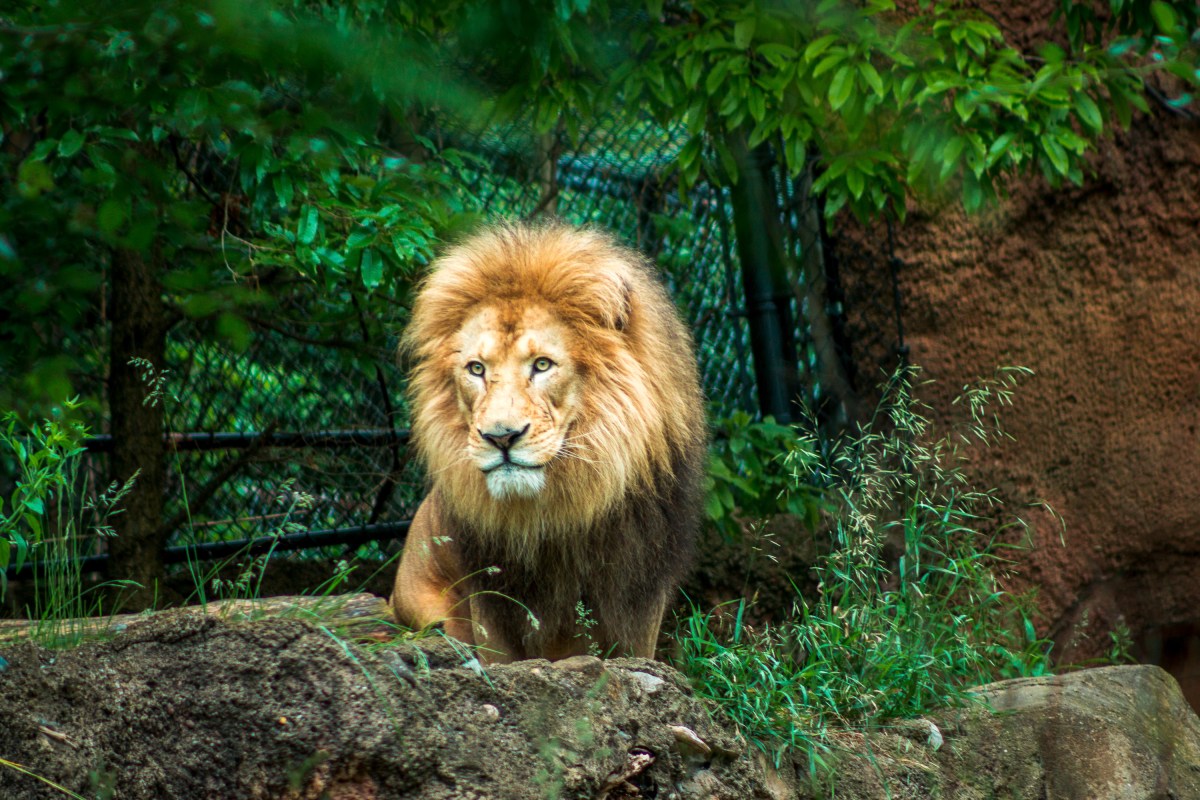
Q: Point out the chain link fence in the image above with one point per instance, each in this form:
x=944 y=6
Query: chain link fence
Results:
x=291 y=395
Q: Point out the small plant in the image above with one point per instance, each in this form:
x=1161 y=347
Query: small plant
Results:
x=247 y=584
x=750 y=474
x=15 y=767
x=585 y=621
x=54 y=519
x=909 y=613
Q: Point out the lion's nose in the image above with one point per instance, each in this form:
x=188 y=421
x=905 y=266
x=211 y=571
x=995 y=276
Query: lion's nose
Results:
x=505 y=439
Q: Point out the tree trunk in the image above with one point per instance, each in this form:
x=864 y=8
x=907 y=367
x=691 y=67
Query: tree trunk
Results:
x=139 y=325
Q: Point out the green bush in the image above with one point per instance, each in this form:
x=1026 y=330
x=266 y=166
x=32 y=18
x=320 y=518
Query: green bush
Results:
x=909 y=614
x=756 y=470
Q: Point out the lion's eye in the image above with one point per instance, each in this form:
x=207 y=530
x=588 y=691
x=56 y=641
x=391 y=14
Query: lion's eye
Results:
x=542 y=364
x=475 y=368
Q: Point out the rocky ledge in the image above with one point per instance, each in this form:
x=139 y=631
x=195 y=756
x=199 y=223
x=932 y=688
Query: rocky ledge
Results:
x=192 y=705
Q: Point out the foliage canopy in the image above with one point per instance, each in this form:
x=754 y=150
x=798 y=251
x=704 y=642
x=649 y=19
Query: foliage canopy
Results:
x=248 y=146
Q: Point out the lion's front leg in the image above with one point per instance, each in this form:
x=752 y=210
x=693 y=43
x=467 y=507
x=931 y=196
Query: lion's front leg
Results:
x=428 y=583
x=632 y=632
x=492 y=646
x=647 y=642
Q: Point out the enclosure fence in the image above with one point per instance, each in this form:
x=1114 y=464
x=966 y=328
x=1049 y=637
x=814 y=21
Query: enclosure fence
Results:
x=307 y=427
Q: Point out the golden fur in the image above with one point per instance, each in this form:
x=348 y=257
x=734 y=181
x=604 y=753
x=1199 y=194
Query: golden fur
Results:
x=556 y=406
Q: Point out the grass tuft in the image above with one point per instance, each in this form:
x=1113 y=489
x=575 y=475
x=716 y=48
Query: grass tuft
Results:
x=910 y=612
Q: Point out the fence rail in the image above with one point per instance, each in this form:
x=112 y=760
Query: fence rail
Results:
x=331 y=413
x=185 y=442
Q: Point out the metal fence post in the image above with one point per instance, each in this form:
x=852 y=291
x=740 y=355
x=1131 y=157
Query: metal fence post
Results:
x=764 y=280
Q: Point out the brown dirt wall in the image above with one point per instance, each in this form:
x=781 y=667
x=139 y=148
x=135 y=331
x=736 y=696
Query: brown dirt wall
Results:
x=1097 y=289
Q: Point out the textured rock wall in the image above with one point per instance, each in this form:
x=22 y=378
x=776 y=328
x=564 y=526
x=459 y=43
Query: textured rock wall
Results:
x=1097 y=289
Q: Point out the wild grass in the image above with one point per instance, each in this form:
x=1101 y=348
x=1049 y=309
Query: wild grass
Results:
x=54 y=519
x=910 y=610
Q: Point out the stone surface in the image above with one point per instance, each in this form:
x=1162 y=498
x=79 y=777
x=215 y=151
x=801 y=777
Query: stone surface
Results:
x=1117 y=733
x=184 y=705
x=1097 y=289
x=190 y=706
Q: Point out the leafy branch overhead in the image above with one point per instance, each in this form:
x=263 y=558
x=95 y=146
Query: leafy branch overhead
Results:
x=243 y=148
x=891 y=103
x=238 y=147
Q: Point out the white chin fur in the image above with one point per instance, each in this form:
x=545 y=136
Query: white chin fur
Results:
x=511 y=481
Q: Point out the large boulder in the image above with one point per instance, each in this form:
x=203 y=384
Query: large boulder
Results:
x=1116 y=733
x=188 y=705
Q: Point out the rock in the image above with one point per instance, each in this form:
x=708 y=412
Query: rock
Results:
x=279 y=708
x=181 y=706
x=1115 y=732
x=649 y=683
x=587 y=665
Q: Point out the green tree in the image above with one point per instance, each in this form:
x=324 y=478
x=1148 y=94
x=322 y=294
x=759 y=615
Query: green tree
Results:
x=203 y=160
x=888 y=105
x=190 y=160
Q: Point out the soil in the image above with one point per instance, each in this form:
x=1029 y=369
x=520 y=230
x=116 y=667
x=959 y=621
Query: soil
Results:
x=182 y=705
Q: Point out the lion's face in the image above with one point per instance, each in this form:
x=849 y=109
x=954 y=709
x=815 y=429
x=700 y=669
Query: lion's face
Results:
x=551 y=383
x=518 y=391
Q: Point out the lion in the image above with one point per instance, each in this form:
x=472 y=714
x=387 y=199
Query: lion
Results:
x=557 y=409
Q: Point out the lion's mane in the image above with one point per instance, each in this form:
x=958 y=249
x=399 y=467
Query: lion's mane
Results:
x=619 y=511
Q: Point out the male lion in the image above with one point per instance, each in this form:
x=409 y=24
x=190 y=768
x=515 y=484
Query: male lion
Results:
x=556 y=406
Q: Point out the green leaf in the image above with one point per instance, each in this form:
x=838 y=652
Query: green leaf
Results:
x=840 y=87
x=34 y=504
x=70 y=144
x=112 y=215
x=777 y=55
x=1055 y=152
x=43 y=148
x=33 y=178
x=1089 y=112
x=757 y=136
x=284 y=190
x=829 y=62
x=359 y=239
x=999 y=148
x=757 y=104
x=1120 y=105
x=963 y=106
x=855 y=182
x=371 y=268
x=235 y=330
x=717 y=77
x=1164 y=16
x=743 y=32
x=22 y=547
x=795 y=152
x=972 y=193
x=950 y=155
x=307 y=230
x=871 y=76
x=818 y=46
x=712 y=506
x=692 y=67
